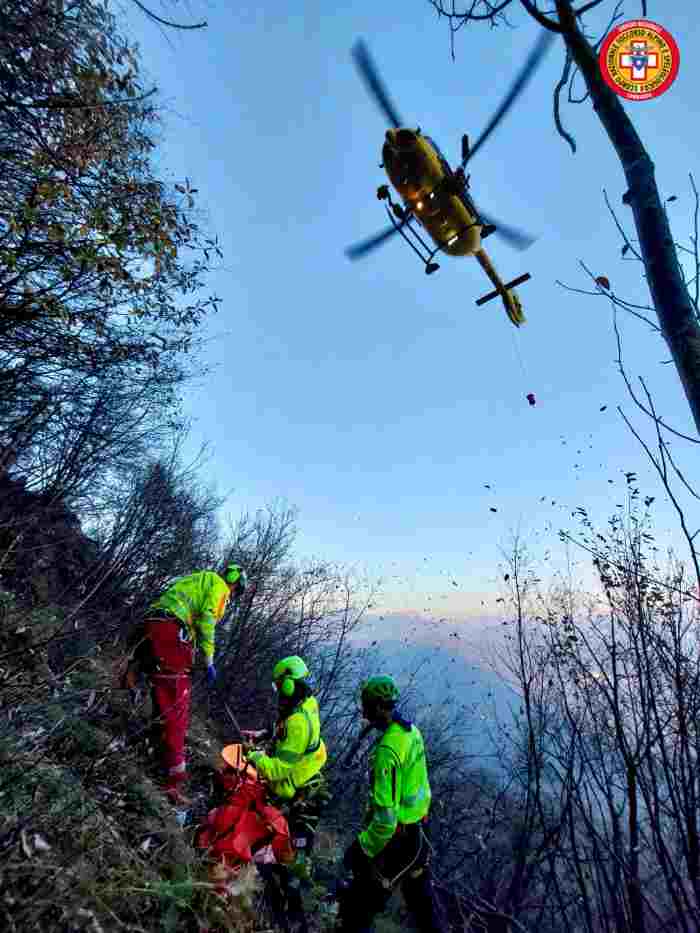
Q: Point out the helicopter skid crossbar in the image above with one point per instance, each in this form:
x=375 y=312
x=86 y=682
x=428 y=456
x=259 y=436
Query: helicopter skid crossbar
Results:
x=500 y=291
x=430 y=266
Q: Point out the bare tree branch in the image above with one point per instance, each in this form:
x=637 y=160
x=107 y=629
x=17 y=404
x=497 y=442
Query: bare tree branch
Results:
x=587 y=6
x=557 y=100
x=628 y=243
x=165 y=22
x=634 y=398
x=491 y=13
x=603 y=292
x=540 y=18
x=660 y=466
x=696 y=244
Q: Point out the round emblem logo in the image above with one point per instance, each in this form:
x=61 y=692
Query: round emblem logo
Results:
x=639 y=59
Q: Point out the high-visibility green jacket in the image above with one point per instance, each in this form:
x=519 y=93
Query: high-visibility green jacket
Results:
x=199 y=601
x=299 y=752
x=399 y=787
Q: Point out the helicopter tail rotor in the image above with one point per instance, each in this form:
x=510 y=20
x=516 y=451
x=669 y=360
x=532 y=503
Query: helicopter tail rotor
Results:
x=506 y=288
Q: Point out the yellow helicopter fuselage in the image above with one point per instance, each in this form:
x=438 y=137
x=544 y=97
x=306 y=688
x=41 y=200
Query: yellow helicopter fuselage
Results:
x=417 y=171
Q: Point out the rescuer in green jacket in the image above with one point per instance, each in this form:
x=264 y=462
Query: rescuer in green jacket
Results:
x=393 y=847
x=293 y=773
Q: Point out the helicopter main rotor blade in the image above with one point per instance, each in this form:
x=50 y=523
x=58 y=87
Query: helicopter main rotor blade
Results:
x=545 y=40
x=369 y=72
x=358 y=250
x=515 y=237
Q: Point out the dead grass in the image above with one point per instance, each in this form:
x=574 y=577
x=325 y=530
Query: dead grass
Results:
x=87 y=841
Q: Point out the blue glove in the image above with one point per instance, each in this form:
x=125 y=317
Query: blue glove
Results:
x=211 y=675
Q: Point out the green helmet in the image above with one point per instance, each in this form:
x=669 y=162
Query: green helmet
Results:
x=289 y=670
x=236 y=574
x=380 y=688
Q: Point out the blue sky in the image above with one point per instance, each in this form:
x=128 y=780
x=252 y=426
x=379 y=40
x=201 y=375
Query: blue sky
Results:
x=377 y=401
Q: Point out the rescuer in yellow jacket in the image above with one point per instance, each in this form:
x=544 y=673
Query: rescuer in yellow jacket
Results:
x=299 y=752
x=393 y=847
x=179 y=622
x=292 y=771
x=199 y=601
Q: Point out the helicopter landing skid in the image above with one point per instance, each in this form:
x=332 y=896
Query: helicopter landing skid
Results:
x=430 y=266
x=500 y=291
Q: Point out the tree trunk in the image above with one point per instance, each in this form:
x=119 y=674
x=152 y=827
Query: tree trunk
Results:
x=671 y=298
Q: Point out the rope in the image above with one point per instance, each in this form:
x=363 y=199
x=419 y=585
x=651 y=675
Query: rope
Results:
x=516 y=344
x=387 y=883
x=421 y=839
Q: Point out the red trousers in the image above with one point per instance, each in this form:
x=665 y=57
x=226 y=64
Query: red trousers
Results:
x=171 y=687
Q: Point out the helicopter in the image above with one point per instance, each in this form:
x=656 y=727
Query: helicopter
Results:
x=437 y=196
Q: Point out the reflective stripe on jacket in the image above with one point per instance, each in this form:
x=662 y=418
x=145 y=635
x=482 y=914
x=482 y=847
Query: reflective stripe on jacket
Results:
x=400 y=791
x=298 y=755
x=199 y=600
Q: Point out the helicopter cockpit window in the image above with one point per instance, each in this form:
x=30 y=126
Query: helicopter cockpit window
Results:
x=403 y=166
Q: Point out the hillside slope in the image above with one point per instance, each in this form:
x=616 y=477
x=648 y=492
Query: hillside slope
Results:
x=87 y=840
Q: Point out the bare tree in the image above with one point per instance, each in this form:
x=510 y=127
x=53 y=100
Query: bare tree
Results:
x=291 y=607
x=615 y=722
x=157 y=522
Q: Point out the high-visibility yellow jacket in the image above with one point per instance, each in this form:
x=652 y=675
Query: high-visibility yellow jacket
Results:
x=299 y=753
x=399 y=787
x=199 y=600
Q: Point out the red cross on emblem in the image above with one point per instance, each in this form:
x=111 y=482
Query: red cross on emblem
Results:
x=638 y=58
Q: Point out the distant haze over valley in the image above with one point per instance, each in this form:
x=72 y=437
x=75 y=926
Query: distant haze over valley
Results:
x=438 y=661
